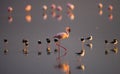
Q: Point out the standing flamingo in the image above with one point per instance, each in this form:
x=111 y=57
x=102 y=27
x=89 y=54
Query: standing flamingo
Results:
x=63 y=35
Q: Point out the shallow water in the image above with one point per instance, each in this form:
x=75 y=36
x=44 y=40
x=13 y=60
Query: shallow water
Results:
x=87 y=21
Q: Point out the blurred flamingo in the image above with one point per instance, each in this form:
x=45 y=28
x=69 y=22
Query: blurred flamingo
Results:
x=63 y=35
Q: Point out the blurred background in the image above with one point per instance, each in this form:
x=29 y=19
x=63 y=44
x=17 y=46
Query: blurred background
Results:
x=89 y=19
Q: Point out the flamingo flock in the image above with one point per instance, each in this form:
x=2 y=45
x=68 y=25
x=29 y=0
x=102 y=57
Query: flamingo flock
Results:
x=57 y=10
x=110 y=10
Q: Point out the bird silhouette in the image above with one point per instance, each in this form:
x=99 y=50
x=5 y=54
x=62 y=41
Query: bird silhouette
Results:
x=81 y=53
x=115 y=41
x=89 y=38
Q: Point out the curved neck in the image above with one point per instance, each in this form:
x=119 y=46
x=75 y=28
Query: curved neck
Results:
x=67 y=32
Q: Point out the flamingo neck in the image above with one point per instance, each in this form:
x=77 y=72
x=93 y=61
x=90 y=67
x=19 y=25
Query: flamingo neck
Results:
x=67 y=33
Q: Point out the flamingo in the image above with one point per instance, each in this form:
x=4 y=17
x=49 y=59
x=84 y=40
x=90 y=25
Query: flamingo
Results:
x=63 y=35
x=10 y=9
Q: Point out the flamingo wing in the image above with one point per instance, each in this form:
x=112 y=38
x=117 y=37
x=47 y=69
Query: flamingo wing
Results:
x=61 y=35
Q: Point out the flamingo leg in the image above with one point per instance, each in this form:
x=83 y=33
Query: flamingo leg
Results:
x=59 y=48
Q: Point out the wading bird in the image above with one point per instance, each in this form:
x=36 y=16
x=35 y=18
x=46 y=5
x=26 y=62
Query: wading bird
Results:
x=115 y=41
x=63 y=35
x=48 y=45
x=81 y=53
x=5 y=46
x=39 y=43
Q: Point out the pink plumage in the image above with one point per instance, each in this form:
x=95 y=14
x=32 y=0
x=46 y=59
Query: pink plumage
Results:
x=63 y=35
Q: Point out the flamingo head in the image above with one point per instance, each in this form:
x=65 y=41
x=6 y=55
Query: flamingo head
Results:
x=68 y=29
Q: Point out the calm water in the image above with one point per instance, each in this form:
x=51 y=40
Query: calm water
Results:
x=87 y=21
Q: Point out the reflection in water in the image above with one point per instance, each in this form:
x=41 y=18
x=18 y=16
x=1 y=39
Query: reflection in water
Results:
x=100 y=6
x=56 y=43
x=10 y=18
x=70 y=13
x=39 y=44
x=100 y=12
x=61 y=65
x=80 y=66
x=90 y=45
x=59 y=16
x=45 y=12
x=53 y=12
x=48 y=46
x=114 y=49
x=5 y=46
x=110 y=16
x=28 y=18
x=25 y=46
x=110 y=9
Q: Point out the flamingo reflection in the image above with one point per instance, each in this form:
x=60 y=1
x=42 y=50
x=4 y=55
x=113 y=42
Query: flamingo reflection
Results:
x=10 y=9
x=53 y=8
x=45 y=12
x=10 y=19
x=28 y=18
x=115 y=50
x=69 y=11
x=61 y=65
x=59 y=16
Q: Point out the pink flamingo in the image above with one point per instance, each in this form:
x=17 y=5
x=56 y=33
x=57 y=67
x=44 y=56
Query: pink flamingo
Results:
x=63 y=35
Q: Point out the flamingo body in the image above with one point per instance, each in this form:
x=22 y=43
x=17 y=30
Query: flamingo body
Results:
x=63 y=35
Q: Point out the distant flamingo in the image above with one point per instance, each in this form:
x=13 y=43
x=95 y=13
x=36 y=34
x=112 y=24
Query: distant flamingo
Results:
x=63 y=35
